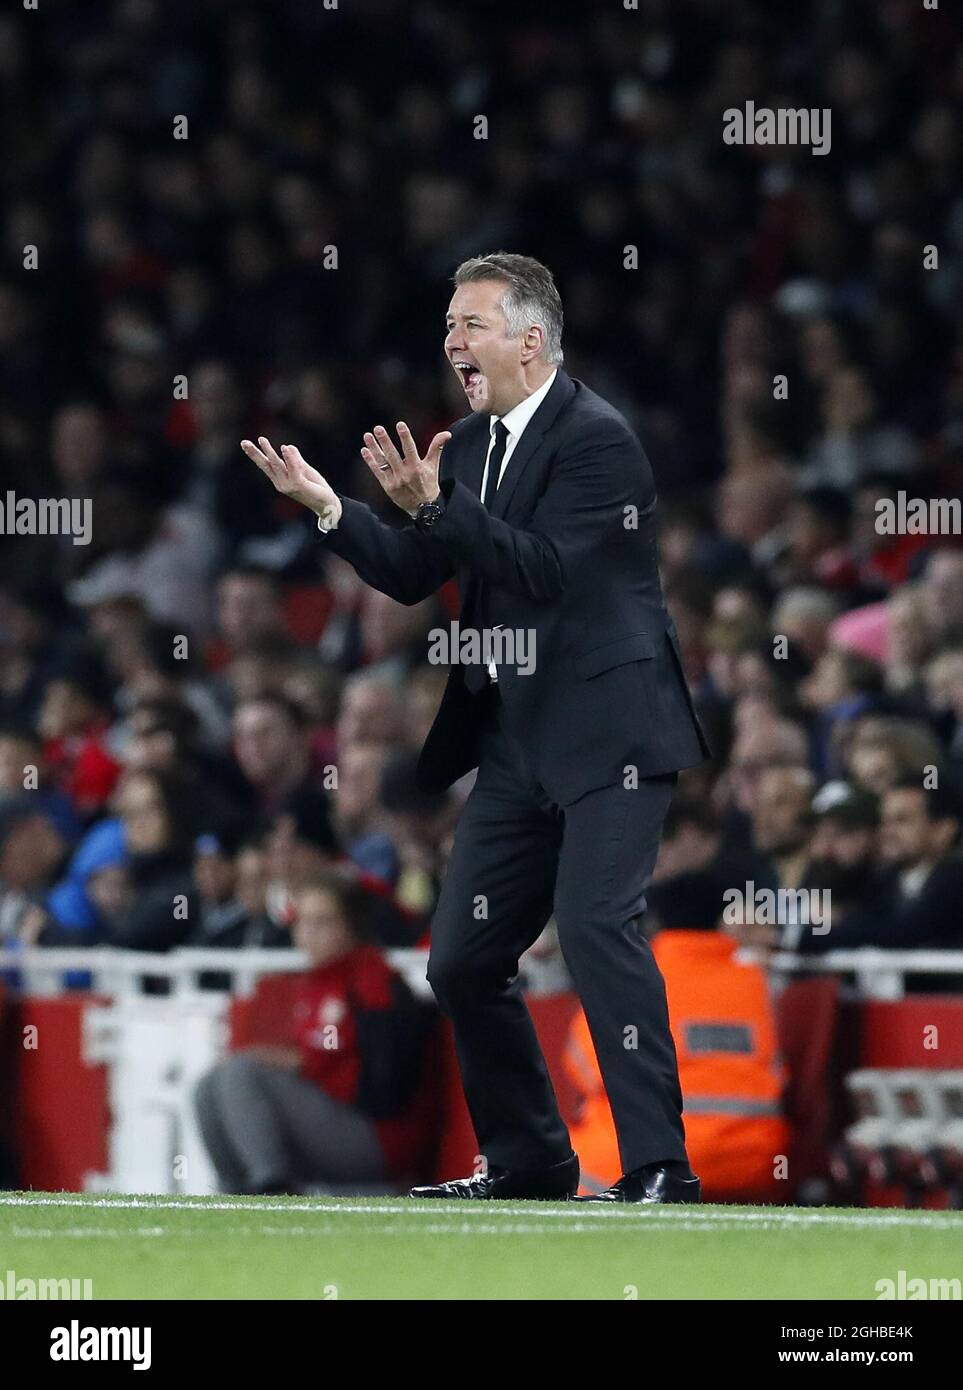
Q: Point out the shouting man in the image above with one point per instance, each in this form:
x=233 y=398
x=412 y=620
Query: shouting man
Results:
x=541 y=502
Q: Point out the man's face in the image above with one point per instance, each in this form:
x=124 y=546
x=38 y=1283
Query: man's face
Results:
x=359 y=768
x=942 y=590
x=369 y=714
x=265 y=741
x=842 y=857
x=837 y=842
x=907 y=835
x=321 y=929
x=30 y=852
x=780 y=818
x=139 y=803
x=64 y=711
x=16 y=755
x=247 y=608
x=215 y=876
x=486 y=361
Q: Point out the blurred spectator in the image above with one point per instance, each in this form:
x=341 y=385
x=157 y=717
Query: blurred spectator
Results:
x=35 y=624
x=163 y=554
x=130 y=883
x=843 y=862
x=420 y=825
x=781 y=825
x=843 y=687
x=943 y=596
x=854 y=443
x=758 y=747
x=422 y=699
x=357 y=809
x=804 y=615
x=273 y=750
x=24 y=779
x=348 y=1101
x=33 y=848
x=231 y=882
x=882 y=751
x=73 y=720
x=156 y=665
x=919 y=842
x=248 y=612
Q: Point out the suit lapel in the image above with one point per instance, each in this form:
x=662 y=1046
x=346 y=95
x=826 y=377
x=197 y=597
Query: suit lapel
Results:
x=527 y=447
x=468 y=468
x=474 y=445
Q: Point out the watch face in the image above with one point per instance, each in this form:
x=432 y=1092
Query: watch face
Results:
x=429 y=512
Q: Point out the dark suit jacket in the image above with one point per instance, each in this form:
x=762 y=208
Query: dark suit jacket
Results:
x=567 y=552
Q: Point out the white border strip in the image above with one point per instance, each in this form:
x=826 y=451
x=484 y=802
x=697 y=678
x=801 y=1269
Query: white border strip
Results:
x=469 y=1213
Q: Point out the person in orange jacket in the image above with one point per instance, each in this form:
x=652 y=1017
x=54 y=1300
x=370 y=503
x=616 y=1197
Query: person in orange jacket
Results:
x=731 y=1073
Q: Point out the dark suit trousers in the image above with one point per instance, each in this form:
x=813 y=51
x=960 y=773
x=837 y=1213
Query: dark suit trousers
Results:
x=516 y=857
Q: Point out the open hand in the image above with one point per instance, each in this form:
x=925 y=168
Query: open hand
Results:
x=407 y=479
x=295 y=478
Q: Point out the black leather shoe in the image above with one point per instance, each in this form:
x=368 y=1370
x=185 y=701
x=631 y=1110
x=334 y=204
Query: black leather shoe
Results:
x=649 y=1185
x=555 y=1184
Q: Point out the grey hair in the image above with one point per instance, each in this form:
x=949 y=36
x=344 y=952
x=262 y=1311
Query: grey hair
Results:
x=531 y=296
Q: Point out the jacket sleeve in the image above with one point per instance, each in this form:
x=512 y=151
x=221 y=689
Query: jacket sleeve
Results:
x=593 y=482
x=399 y=562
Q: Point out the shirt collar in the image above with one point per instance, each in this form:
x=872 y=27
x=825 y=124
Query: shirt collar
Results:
x=518 y=417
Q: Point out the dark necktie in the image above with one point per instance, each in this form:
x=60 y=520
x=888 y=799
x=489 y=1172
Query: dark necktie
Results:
x=495 y=463
x=477 y=677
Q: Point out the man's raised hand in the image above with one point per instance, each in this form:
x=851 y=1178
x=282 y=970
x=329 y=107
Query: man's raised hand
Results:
x=295 y=478
x=407 y=478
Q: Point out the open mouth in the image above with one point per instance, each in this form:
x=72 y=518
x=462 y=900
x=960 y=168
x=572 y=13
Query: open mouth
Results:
x=469 y=373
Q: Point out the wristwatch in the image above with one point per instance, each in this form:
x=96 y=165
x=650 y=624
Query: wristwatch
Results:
x=429 y=513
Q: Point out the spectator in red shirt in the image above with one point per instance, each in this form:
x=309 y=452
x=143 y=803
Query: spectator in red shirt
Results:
x=74 y=720
x=350 y=1102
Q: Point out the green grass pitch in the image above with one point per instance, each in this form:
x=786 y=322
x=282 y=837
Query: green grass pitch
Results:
x=395 y=1248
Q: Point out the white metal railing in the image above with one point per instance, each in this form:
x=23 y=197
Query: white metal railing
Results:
x=880 y=974
x=42 y=970
x=112 y=972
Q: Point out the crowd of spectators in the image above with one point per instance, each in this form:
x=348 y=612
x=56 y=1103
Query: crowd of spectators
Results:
x=201 y=706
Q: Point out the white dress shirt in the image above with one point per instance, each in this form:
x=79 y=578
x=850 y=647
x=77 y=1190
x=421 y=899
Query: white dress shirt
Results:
x=514 y=421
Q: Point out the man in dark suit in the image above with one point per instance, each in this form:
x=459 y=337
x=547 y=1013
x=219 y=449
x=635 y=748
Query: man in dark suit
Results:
x=541 y=502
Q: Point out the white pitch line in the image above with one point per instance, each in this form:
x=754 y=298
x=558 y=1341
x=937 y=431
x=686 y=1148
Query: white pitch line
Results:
x=473 y=1228
x=85 y=1232
x=694 y=1217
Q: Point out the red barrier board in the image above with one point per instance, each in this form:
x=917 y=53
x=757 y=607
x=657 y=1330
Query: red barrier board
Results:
x=62 y=1118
